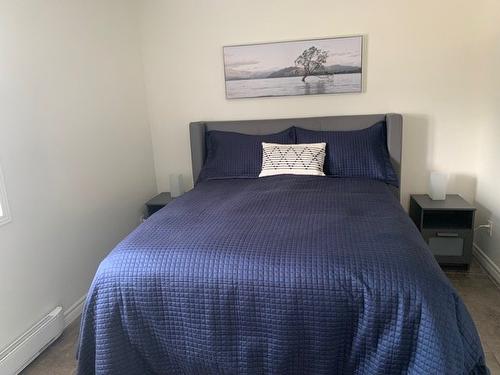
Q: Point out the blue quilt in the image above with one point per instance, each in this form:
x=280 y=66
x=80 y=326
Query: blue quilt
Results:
x=277 y=275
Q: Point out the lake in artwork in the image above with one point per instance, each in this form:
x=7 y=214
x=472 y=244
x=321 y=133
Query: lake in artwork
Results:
x=310 y=67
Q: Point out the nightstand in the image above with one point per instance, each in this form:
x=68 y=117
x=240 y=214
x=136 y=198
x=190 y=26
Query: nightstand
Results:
x=157 y=203
x=447 y=226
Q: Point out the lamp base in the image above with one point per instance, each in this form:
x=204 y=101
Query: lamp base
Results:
x=437 y=196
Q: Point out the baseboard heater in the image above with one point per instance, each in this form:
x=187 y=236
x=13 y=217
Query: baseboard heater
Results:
x=19 y=354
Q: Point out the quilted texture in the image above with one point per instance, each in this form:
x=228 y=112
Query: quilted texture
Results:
x=279 y=275
x=303 y=159
x=356 y=153
x=235 y=155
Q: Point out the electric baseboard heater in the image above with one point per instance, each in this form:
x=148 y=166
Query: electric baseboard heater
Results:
x=15 y=357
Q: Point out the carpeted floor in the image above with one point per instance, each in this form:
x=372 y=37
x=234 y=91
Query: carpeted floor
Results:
x=480 y=294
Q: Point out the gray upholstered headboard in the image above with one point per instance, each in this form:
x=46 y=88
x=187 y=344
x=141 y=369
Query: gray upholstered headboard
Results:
x=394 y=123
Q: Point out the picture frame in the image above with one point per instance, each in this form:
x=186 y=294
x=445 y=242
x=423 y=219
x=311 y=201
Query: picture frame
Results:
x=302 y=67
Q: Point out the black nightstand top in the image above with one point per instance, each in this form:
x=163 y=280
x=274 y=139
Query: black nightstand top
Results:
x=452 y=202
x=161 y=199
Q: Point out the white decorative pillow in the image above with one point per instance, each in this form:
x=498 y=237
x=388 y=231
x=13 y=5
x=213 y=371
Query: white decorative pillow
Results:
x=304 y=159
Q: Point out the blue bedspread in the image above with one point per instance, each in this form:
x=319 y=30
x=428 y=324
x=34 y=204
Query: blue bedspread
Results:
x=278 y=275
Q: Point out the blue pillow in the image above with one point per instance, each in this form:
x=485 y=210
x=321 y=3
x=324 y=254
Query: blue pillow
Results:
x=356 y=153
x=235 y=155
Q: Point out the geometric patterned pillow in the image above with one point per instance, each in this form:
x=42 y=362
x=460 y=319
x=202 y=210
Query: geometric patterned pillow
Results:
x=303 y=159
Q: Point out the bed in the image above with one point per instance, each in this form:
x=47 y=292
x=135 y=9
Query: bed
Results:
x=278 y=275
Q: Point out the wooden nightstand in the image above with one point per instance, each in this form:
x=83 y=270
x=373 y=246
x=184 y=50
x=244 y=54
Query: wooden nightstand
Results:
x=447 y=226
x=157 y=203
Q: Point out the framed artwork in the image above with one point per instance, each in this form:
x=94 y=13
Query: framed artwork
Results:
x=302 y=67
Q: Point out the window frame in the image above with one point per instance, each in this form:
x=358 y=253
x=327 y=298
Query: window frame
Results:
x=4 y=203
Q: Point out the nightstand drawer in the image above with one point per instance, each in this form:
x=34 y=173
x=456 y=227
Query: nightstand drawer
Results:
x=450 y=246
x=446 y=246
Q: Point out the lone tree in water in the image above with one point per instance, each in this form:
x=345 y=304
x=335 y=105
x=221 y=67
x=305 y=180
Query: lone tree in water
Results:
x=312 y=60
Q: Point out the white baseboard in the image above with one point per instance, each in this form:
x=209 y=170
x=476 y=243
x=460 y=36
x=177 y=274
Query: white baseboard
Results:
x=30 y=344
x=485 y=261
x=20 y=353
x=74 y=311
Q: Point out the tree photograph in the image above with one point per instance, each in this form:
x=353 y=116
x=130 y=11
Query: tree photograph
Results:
x=302 y=67
x=312 y=61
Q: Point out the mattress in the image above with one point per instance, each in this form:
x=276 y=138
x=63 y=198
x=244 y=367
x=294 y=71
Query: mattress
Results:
x=277 y=275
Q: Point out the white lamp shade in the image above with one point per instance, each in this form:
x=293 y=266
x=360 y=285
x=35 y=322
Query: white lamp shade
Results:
x=437 y=185
x=176 y=185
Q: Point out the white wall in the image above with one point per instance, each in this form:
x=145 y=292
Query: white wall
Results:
x=488 y=162
x=420 y=62
x=75 y=147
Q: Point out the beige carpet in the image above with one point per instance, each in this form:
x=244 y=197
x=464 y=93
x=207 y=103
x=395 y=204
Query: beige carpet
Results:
x=480 y=294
